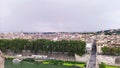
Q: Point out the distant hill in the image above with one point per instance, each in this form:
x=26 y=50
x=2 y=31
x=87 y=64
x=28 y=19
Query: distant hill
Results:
x=109 y=32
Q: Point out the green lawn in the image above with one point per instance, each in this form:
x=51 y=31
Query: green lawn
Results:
x=70 y=64
x=107 y=66
x=103 y=65
x=64 y=63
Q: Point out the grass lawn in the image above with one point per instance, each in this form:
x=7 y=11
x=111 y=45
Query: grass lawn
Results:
x=64 y=63
x=45 y=62
x=103 y=65
x=107 y=66
x=69 y=64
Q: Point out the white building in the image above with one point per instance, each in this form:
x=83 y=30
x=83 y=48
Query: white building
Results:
x=88 y=48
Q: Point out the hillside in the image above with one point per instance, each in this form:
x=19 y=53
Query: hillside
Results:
x=109 y=32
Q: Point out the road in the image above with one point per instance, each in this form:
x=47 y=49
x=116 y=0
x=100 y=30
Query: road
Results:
x=92 y=61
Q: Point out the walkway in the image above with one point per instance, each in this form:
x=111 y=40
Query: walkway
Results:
x=92 y=61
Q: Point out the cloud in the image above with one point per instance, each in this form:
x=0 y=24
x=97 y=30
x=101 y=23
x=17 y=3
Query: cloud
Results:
x=113 y=19
x=59 y=15
x=4 y=12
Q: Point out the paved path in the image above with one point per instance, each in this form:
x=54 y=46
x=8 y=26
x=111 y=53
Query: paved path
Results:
x=92 y=61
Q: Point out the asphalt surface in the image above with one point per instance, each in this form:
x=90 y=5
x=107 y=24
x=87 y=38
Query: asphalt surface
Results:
x=92 y=61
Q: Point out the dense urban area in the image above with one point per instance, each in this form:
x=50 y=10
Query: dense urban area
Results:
x=95 y=49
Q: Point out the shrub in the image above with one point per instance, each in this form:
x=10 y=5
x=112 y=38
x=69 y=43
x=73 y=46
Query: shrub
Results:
x=29 y=59
x=102 y=65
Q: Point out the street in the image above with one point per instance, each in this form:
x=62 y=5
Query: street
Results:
x=92 y=61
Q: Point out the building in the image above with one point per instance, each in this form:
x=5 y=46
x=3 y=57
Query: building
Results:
x=88 y=48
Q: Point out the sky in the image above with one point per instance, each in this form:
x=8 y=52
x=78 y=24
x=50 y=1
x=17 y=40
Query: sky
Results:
x=59 y=15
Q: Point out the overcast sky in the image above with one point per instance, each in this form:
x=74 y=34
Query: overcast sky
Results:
x=59 y=15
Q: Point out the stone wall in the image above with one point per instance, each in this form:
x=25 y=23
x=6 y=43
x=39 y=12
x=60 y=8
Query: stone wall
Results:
x=84 y=58
x=1 y=60
x=109 y=60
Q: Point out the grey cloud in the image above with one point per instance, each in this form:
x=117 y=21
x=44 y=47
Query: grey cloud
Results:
x=59 y=15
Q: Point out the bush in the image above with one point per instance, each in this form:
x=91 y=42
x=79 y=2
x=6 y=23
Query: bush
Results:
x=102 y=65
x=55 y=62
x=72 y=62
x=9 y=58
x=75 y=66
x=29 y=59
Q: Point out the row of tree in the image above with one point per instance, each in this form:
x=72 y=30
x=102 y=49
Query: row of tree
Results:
x=111 y=50
x=17 y=45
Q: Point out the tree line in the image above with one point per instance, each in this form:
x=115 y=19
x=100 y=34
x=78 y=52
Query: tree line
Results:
x=111 y=50
x=43 y=45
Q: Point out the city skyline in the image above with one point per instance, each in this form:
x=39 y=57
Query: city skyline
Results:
x=58 y=16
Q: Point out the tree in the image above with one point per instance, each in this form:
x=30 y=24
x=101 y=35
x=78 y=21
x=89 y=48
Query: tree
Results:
x=111 y=50
x=44 y=45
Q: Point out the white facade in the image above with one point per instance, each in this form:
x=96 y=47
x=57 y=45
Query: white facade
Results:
x=88 y=47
